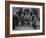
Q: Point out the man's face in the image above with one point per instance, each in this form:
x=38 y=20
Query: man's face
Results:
x=22 y=14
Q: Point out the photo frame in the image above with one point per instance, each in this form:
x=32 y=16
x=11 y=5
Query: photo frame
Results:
x=16 y=13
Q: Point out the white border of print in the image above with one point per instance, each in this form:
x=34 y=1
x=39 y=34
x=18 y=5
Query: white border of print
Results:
x=27 y=31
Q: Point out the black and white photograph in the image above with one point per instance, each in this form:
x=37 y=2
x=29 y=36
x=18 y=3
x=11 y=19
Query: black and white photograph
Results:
x=25 y=18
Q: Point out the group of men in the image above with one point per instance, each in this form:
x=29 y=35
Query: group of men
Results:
x=25 y=17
